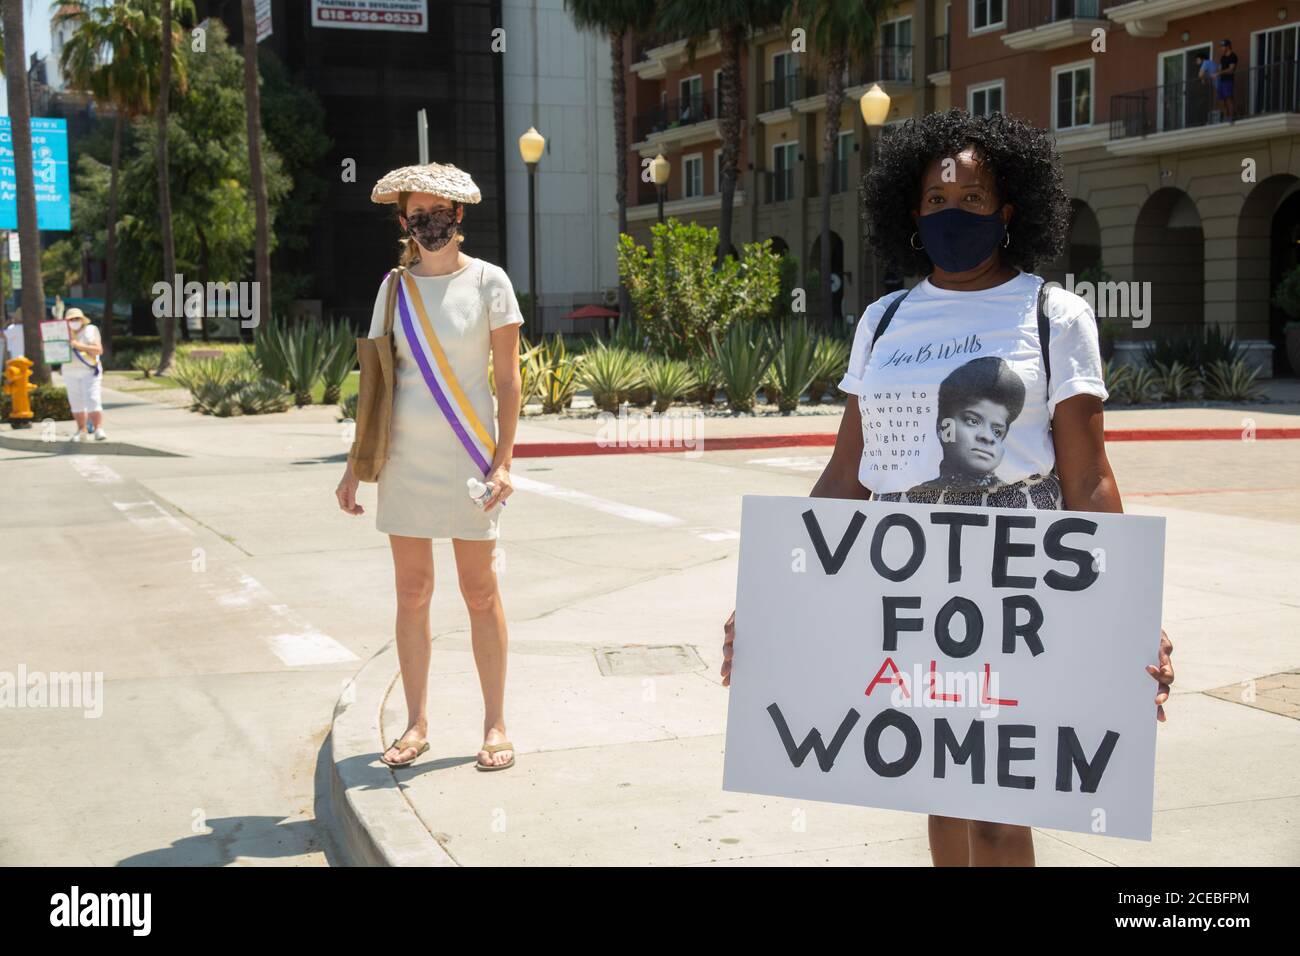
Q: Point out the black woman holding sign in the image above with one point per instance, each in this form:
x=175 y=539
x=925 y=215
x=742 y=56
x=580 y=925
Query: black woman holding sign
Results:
x=981 y=385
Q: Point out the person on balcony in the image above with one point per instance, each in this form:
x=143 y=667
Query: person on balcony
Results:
x=1224 y=83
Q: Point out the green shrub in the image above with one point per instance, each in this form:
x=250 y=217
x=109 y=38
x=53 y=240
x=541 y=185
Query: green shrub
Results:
x=792 y=365
x=1116 y=377
x=611 y=373
x=340 y=362
x=47 y=401
x=669 y=380
x=704 y=374
x=530 y=372
x=348 y=407
x=830 y=362
x=145 y=362
x=1195 y=348
x=1287 y=296
x=1231 y=381
x=558 y=375
x=1175 y=382
x=307 y=348
x=1138 y=386
x=743 y=357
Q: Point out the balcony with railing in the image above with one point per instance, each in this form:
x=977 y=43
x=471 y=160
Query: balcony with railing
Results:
x=1158 y=117
x=1050 y=24
x=672 y=120
x=783 y=91
x=778 y=184
x=839 y=177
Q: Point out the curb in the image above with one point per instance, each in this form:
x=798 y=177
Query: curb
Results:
x=375 y=823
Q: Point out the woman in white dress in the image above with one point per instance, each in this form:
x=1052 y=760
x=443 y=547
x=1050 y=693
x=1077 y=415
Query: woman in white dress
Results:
x=452 y=312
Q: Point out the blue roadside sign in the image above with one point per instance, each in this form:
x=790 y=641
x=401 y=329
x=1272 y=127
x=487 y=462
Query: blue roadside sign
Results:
x=50 y=170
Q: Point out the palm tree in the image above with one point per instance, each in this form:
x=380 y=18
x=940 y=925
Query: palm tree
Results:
x=167 y=324
x=252 y=106
x=618 y=19
x=112 y=56
x=29 y=238
x=733 y=19
x=836 y=29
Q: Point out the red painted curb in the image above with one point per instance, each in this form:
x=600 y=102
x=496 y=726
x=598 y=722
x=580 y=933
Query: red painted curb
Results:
x=559 y=449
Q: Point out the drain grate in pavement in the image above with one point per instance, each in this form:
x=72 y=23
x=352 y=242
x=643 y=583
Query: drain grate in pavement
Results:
x=644 y=660
x=1277 y=693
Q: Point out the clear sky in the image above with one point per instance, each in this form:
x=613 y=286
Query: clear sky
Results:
x=37 y=28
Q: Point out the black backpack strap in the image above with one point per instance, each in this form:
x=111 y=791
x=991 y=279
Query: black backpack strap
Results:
x=1045 y=334
x=885 y=320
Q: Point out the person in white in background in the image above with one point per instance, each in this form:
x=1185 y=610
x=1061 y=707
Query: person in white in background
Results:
x=83 y=375
x=13 y=337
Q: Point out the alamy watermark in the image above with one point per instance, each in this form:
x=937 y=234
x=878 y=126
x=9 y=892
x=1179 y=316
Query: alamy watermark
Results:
x=683 y=430
x=1113 y=300
x=222 y=300
x=73 y=690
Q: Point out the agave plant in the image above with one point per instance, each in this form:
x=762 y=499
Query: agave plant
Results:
x=611 y=373
x=342 y=359
x=1116 y=377
x=307 y=350
x=261 y=397
x=270 y=351
x=669 y=380
x=558 y=380
x=145 y=362
x=743 y=357
x=830 y=362
x=1174 y=382
x=704 y=372
x=206 y=379
x=530 y=372
x=348 y=407
x=792 y=366
x=1233 y=381
x=1140 y=386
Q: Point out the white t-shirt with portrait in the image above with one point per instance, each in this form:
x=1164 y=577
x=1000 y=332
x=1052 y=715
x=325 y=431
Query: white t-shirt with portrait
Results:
x=953 y=395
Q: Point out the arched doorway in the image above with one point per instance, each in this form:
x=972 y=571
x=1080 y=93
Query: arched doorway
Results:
x=1169 y=252
x=1268 y=247
x=779 y=245
x=812 y=275
x=1082 y=250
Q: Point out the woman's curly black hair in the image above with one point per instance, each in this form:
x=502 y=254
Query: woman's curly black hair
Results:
x=1023 y=161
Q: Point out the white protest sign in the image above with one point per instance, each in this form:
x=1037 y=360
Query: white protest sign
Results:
x=980 y=663
x=56 y=342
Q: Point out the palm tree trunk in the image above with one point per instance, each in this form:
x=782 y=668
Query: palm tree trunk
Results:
x=106 y=330
x=834 y=100
x=732 y=36
x=167 y=324
x=29 y=237
x=253 y=110
x=620 y=153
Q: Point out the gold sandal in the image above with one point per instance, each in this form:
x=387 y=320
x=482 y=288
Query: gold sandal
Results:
x=494 y=748
x=397 y=745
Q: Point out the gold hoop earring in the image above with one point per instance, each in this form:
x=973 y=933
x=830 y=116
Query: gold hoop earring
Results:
x=912 y=242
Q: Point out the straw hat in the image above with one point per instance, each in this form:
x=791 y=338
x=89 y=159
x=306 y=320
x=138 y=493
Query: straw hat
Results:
x=440 y=179
x=74 y=313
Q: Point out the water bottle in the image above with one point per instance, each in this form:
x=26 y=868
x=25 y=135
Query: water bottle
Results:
x=479 y=492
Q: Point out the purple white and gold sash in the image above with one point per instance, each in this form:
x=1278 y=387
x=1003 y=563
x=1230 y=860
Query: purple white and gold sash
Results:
x=441 y=380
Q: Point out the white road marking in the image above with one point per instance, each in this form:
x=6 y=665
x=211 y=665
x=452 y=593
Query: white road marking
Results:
x=800 y=463
x=296 y=643
x=149 y=516
x=718 y=535
x=631 y=512
x=94 y=471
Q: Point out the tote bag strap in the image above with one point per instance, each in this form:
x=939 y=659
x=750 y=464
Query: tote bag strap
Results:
x=390 y=306
x=1045 y=335
x=886 y=319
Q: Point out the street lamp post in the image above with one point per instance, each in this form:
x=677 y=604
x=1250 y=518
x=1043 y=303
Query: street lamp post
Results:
x=875 y=110
x=531 y=146
x=660 y=170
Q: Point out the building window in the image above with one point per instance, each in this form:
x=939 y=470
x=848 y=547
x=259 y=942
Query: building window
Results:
x=784 y=70
x=986 y=15
x=690 y=106
x=986 y=98
x=843 y=149
x=1072 y=102
x=784 y=156
x=693 y=175
x=896 y=50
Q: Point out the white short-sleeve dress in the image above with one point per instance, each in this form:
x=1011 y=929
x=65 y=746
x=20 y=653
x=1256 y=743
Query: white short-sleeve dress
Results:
x=422 y=485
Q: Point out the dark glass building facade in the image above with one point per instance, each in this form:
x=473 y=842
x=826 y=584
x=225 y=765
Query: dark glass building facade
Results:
x=372 y=84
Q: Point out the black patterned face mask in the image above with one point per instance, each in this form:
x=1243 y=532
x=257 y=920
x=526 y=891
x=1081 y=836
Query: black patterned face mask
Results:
x=433 y=228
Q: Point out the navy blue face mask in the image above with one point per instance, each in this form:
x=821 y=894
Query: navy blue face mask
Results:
x=957 y=240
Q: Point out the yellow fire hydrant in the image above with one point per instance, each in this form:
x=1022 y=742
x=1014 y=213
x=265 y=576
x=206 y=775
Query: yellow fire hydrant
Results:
x=18 y=371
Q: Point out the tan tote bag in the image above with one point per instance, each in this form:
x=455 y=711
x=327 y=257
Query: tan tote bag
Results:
x=375 y=393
